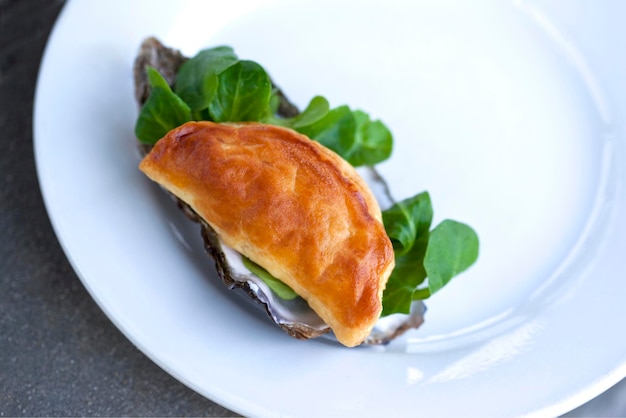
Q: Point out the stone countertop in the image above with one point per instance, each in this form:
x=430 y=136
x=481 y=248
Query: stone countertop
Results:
x=59 y=354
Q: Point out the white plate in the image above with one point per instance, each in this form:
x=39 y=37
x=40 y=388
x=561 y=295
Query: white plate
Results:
x=509 y=113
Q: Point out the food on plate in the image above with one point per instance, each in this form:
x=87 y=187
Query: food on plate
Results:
x=289 y=202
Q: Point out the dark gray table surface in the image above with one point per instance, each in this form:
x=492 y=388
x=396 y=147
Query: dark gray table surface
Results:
x=59 y=354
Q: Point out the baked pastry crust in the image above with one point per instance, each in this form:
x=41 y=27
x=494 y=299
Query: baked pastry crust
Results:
x=290 y=205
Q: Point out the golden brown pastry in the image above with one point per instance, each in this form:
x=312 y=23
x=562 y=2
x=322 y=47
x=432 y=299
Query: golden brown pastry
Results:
x=290 y=205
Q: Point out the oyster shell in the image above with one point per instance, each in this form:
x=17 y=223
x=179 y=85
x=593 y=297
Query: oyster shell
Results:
x=293 y=316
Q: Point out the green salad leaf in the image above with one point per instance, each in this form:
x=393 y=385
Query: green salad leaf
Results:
x=162 y=112
x=372 y=141
x=408 y=220
x=405 y=278
x=243 y=93
x=335 y=130
x=197 y=78
x=438 y=254
x=277 y=286
x=452 y=248
x=317 y=108
x=352 y=135
x=215 y=85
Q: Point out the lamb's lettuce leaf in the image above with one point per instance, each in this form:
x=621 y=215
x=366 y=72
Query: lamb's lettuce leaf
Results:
x=437 y=255
x=317 y=108
x=162 y=112
x=277 y=286
x=335 y=130
x=452 y=248
x=407 y=220
x=351 y=134
x=218 y=86
x=405 y=278
x=243 y=93
x=197 y=78
x=372 y=143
